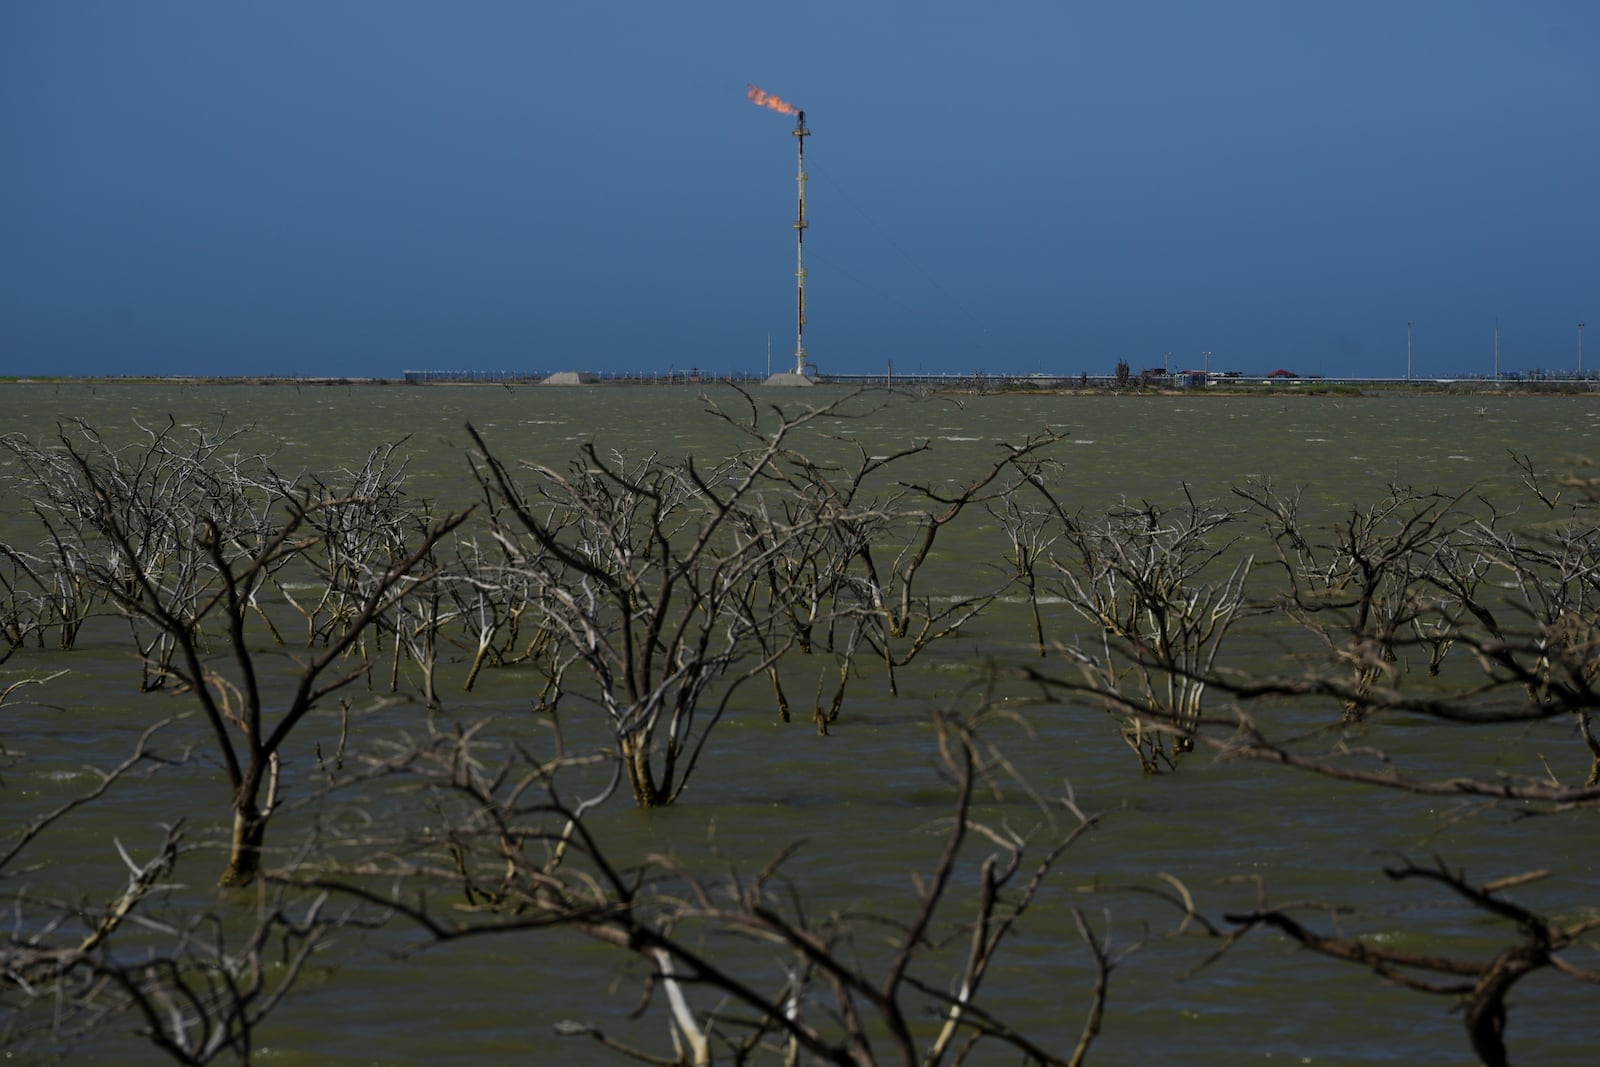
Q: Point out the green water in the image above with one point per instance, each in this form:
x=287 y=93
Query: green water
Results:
x=866 y=799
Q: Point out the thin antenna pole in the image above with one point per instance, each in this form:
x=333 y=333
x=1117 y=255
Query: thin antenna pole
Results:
x=800 y=135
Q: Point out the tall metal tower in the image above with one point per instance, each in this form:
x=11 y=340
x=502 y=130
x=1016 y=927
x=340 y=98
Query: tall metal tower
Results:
x=778 y=104
x=800 y=135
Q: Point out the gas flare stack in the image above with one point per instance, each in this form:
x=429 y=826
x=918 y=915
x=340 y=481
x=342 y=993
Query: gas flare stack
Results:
x=798 y=375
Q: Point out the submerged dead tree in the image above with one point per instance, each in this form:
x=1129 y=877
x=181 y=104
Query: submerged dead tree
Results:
x=1418 y=605
x=1159 y=594
x=143 y=954
x=1417 y=609
x=180 y=535
x=905 y=984
x=899 y=616
x=672 y=585
x=152 y=491
x=1368 y=585
x=878 y=592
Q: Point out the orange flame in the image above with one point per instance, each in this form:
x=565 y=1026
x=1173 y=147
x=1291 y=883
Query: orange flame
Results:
x=766 y=100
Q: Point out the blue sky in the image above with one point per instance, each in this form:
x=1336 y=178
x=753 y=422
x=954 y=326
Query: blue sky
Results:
x=362 y=188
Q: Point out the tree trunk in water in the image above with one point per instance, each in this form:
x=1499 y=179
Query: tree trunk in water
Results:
x=244 y=855
x=636 y=755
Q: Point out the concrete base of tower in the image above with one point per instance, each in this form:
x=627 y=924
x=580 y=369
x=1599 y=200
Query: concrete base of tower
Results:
x=788 y=378
x=569 y=377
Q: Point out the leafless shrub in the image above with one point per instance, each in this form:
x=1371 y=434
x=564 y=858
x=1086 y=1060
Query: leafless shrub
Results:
x=1500 y=607
x=649 y=580
x=1417 y=578
x=199 y=983
x=26 y=604
x=669 y=582
x=111 y=513
x=899 y=617
x=1142 y=578
x=1369 y=579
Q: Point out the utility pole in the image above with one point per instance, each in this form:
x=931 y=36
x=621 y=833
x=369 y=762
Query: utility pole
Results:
x=1580 y=350
x=1497 y=353
x=1408 y=350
